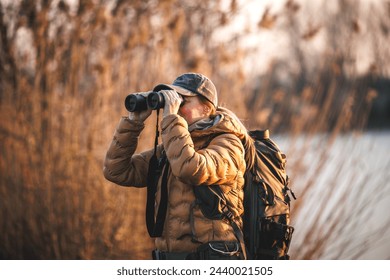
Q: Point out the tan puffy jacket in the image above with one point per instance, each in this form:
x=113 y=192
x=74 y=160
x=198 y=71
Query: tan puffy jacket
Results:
x=214 y=156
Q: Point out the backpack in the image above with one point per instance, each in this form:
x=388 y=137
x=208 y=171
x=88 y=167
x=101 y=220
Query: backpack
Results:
x=267 y=232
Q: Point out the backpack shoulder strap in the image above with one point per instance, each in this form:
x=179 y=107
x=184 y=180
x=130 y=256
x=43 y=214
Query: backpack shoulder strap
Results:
x=259 y=134
x=228 y=214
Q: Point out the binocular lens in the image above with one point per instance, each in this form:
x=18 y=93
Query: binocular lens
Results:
x=135 y=103
x=155 y=100
x=138 y=102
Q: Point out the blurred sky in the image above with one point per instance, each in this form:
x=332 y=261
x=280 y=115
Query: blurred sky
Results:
x=274 y=42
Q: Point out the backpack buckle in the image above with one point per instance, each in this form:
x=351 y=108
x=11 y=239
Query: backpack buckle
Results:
x=227 y=213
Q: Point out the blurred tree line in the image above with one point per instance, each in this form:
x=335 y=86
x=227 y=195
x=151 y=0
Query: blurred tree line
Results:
x=66 y=66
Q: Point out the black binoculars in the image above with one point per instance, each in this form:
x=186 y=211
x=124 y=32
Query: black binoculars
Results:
x=137 y=102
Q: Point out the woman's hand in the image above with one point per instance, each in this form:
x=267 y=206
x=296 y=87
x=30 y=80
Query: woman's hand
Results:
x=172 y=102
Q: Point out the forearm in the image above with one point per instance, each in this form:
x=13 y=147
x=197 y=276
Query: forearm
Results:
x=119 y=165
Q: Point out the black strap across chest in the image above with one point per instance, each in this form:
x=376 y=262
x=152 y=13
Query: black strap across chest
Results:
x=155 y=223
x=157 y=166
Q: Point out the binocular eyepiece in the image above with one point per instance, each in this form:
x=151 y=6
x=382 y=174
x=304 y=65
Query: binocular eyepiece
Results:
x=137 y=102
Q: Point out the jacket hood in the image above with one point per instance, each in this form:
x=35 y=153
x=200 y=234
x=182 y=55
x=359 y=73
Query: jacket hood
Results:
x=227 y=122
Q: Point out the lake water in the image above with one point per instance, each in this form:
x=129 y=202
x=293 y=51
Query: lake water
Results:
x=343 y=189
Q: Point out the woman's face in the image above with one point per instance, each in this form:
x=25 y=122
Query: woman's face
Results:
x=192 y=109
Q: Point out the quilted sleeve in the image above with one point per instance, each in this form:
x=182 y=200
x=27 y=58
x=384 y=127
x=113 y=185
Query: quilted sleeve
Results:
x=121 y=165
x=221 y=162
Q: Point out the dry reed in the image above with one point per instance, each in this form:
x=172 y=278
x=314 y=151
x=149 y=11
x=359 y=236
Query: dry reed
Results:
x=64 y=72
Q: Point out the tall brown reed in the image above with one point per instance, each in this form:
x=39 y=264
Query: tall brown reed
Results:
x=64 y=73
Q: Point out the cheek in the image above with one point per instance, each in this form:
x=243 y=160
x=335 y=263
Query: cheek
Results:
x=190 y=112
x=185 y=110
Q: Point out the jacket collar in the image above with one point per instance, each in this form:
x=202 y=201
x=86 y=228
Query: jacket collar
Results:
x=204 y=123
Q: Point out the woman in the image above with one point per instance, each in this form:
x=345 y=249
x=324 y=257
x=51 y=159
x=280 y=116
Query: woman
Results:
x=205 y=146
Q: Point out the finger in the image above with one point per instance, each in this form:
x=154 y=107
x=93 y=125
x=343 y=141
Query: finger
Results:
x=168 y=93
x=171 y=96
